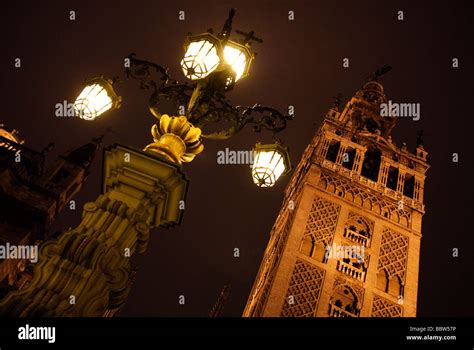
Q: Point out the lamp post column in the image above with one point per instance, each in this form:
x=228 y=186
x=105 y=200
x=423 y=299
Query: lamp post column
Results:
x=87 y=270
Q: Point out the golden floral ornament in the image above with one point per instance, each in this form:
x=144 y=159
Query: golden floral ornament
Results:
x=175 y=139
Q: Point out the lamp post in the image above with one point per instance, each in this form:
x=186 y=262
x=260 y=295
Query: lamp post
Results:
x=213 y=63
x=86 y=271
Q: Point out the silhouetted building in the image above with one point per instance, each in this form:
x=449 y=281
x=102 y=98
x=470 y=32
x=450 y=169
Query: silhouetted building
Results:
x=31 y=197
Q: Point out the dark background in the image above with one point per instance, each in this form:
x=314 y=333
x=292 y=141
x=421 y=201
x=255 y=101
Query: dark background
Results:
x=299 y=64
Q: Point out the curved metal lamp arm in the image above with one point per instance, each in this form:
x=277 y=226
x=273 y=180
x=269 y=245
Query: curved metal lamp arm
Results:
x=140 y=70
x=165 y=88
x=269 y=119
x=178 y=93
x=213 y=105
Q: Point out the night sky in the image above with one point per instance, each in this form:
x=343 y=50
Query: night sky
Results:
x=299 y=64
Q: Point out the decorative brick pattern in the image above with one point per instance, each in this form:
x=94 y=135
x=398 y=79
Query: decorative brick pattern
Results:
x=305 y=287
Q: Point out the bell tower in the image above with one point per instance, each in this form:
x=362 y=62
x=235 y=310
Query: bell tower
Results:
x=346 y=242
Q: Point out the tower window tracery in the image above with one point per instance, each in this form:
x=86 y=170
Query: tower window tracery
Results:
x=392 y=178
x=348 y=158
x=344 y=302
x=358 y=230
x=409 y=185
x=333 y=150
x=371 y=164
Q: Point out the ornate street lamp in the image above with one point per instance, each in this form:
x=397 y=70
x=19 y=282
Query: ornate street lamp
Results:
x=97 y=97
x=270 y=162
x=213 y=63
x=142 y=190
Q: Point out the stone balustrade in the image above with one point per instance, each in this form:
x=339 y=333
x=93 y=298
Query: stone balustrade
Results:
x=350 y=270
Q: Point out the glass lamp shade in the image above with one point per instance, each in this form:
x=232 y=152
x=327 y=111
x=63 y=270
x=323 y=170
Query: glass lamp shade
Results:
x=97 y=97
x=239 y=58
x=270 y=162
x=202 y=56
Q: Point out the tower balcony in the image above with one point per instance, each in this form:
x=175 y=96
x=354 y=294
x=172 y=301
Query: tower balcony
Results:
x=354 y=176
x=350 y=270
x=346 y=172
x=336 y=311
x=330 y=165
x=356 y=237
x=406 y=200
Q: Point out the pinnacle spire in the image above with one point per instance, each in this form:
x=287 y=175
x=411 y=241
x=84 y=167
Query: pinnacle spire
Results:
x=218 y=308
x=84 y=155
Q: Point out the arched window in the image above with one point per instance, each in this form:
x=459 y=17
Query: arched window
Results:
x=358 y=230
x=307 y=246
x=344 y=302
x=372 y=126
x=371 y=164
x=333 y=150
x=392 y=178
x=409 y=185
x=313 y=249
x=348 y=158
x=382 y=280
x=395 y=286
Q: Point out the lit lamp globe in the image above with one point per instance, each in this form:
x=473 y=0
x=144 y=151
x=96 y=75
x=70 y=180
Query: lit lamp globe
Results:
x=239 y=57
x=97 y=97
x=270 y=162
x=202 y=56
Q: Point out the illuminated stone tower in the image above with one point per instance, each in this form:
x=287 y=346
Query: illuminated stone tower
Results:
x=354 y=191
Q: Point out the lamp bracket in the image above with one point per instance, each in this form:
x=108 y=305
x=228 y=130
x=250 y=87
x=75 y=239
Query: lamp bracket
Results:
x=210 y=103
